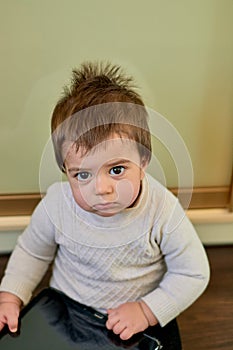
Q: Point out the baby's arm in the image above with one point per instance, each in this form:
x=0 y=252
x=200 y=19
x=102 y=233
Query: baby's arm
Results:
x=130 y=318
x=10 y=306
x=34 y=251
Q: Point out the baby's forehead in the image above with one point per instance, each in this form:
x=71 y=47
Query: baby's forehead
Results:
x=114 y=143
x=105 y=151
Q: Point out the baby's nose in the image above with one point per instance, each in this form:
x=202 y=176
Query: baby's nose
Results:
x=103 y=184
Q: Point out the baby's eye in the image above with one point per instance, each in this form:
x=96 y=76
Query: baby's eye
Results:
x=83 y=176
x=117 y=170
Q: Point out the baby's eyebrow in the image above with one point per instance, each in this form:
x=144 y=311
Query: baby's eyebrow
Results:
x=74 y=170
x=117 y=162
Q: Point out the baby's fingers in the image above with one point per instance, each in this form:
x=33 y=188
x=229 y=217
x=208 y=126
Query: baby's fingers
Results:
x=111 y=323
x=13 y=324
x=2 y=324
x=10 y=318
x=126 y=334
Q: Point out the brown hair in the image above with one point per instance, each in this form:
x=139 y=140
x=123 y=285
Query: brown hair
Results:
x=99 y=102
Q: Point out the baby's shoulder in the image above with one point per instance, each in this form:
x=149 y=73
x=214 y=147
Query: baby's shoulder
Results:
x=159 y=194
x=57 y=191
x=58 y=187
x=157 y=188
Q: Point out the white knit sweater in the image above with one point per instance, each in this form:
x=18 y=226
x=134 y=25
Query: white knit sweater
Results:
x=150 y=251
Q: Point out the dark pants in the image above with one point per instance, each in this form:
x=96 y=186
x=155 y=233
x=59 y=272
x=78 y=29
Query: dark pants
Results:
x=85 y=328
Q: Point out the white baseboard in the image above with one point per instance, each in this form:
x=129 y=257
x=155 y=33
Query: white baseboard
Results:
x=214 y=226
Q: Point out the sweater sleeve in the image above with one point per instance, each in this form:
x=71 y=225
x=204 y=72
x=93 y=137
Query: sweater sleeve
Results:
x=187 y=272
x=34 y=251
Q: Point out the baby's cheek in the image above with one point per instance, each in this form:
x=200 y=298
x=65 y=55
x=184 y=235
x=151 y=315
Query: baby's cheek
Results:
x=83 y=198
x=125 y=192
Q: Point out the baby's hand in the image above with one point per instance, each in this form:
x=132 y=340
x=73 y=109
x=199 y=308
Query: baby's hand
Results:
x=127 y=319
x=9 y=311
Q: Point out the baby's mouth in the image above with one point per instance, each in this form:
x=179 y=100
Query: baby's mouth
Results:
x=105 y=206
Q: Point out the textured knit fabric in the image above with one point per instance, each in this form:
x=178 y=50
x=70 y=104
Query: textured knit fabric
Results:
x=149 y=252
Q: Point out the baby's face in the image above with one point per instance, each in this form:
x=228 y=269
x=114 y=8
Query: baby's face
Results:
x=106 y=180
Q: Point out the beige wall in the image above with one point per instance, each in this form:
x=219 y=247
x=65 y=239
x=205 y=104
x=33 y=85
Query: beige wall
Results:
x=181 y=55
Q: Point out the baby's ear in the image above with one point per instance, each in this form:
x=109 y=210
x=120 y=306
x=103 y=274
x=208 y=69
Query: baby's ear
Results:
x=144 y=163
x=143 y=166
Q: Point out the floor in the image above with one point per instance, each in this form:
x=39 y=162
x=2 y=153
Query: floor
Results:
x=208 y=323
